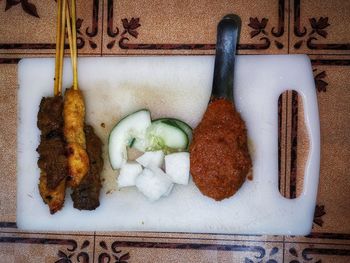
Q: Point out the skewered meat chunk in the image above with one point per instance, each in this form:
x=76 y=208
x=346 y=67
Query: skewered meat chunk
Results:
x=54 y=198
x=52 y=159
x=86 y=195
x=74 y=115
x=50 y=115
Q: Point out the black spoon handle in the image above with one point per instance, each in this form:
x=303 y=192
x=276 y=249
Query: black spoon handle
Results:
x=227 y=35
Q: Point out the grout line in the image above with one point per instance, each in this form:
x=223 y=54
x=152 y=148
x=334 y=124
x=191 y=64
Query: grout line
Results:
x=284 y=238
x=102 y=28
x=318 y=243
x=45 y=233
x=93 y=251
x=191 y=238
x=289 y=11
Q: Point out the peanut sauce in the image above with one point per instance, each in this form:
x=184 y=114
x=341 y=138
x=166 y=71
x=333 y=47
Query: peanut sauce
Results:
x=219 y=156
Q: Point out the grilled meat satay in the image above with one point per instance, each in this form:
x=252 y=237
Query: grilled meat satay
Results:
x=86 y=195
x=74 y=115
x=51 y=149
x=52 y=160
x=54 y=198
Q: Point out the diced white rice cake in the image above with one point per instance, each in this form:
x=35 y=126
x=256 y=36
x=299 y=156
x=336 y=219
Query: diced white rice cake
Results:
x=128 y=174
x=149 y=159
x=177 y=167
x=153 y=184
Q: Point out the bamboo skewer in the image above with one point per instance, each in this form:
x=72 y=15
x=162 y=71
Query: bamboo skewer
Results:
x=62 y=42
x=58 y=48
x=69 y=31
x=74 y=47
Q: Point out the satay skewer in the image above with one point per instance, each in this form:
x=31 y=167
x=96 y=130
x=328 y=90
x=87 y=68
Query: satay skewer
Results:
x=52 y=161
x=74 y=117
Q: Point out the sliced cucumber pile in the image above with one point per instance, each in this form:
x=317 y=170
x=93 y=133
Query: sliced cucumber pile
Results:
x=127 y=130
x=136 y=130
x=155 y=138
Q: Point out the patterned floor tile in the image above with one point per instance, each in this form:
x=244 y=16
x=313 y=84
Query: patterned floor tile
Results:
x=180 y=27
x=36 y=248
x=316 y=253
x=332 y=215
x=319 y=27
x=28 y=27
x=180 y=250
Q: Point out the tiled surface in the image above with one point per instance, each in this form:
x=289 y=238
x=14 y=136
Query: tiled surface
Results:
x=182 y=27
x=186 y=250
x=45 y=248
x=29 y=27
x=319 y=27
x=113 y=27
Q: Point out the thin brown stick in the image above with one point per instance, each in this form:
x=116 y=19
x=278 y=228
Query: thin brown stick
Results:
x=58 y=47
x=74 y=35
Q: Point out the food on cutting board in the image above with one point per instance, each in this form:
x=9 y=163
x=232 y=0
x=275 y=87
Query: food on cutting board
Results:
x=74 y=135
x=123 y=135
x=52 y=160
x=220 y=160
x=69 y=150
x=164 y=161
x=86 y=196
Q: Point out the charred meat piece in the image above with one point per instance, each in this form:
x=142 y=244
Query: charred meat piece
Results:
x=50 y=119
x=74 y=115
x=86 y=195
x=52 y=160
x=54 y=198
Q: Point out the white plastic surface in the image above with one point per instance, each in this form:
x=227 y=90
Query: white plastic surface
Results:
x=175 y=87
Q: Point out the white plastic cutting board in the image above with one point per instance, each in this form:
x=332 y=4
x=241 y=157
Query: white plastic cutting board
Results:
x=177 y=87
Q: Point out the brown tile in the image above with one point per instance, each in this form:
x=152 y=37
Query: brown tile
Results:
x=31 y=28
x=180 y=27
x=319 y=27
x=332 y=215
x=45 y=248
x=8 y=120
x=181 y=250
x=297 y=252
x=297 y=144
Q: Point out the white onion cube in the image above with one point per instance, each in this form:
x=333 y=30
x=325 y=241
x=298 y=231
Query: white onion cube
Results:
x=128 y=174
x=177 y=167
x=149 y=159
x=153 y=184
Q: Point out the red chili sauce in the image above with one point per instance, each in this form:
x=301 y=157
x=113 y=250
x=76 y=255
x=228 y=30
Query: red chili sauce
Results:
x=219 y=156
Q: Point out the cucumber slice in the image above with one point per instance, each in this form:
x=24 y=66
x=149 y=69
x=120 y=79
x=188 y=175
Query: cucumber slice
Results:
x=163 y=136
x=177 y=123
x=133 y=126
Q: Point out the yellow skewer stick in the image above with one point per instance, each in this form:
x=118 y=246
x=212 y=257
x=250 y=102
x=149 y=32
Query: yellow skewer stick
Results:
x=58 y=47
x=74 y=35
x=62 y=41
x=69 y=30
